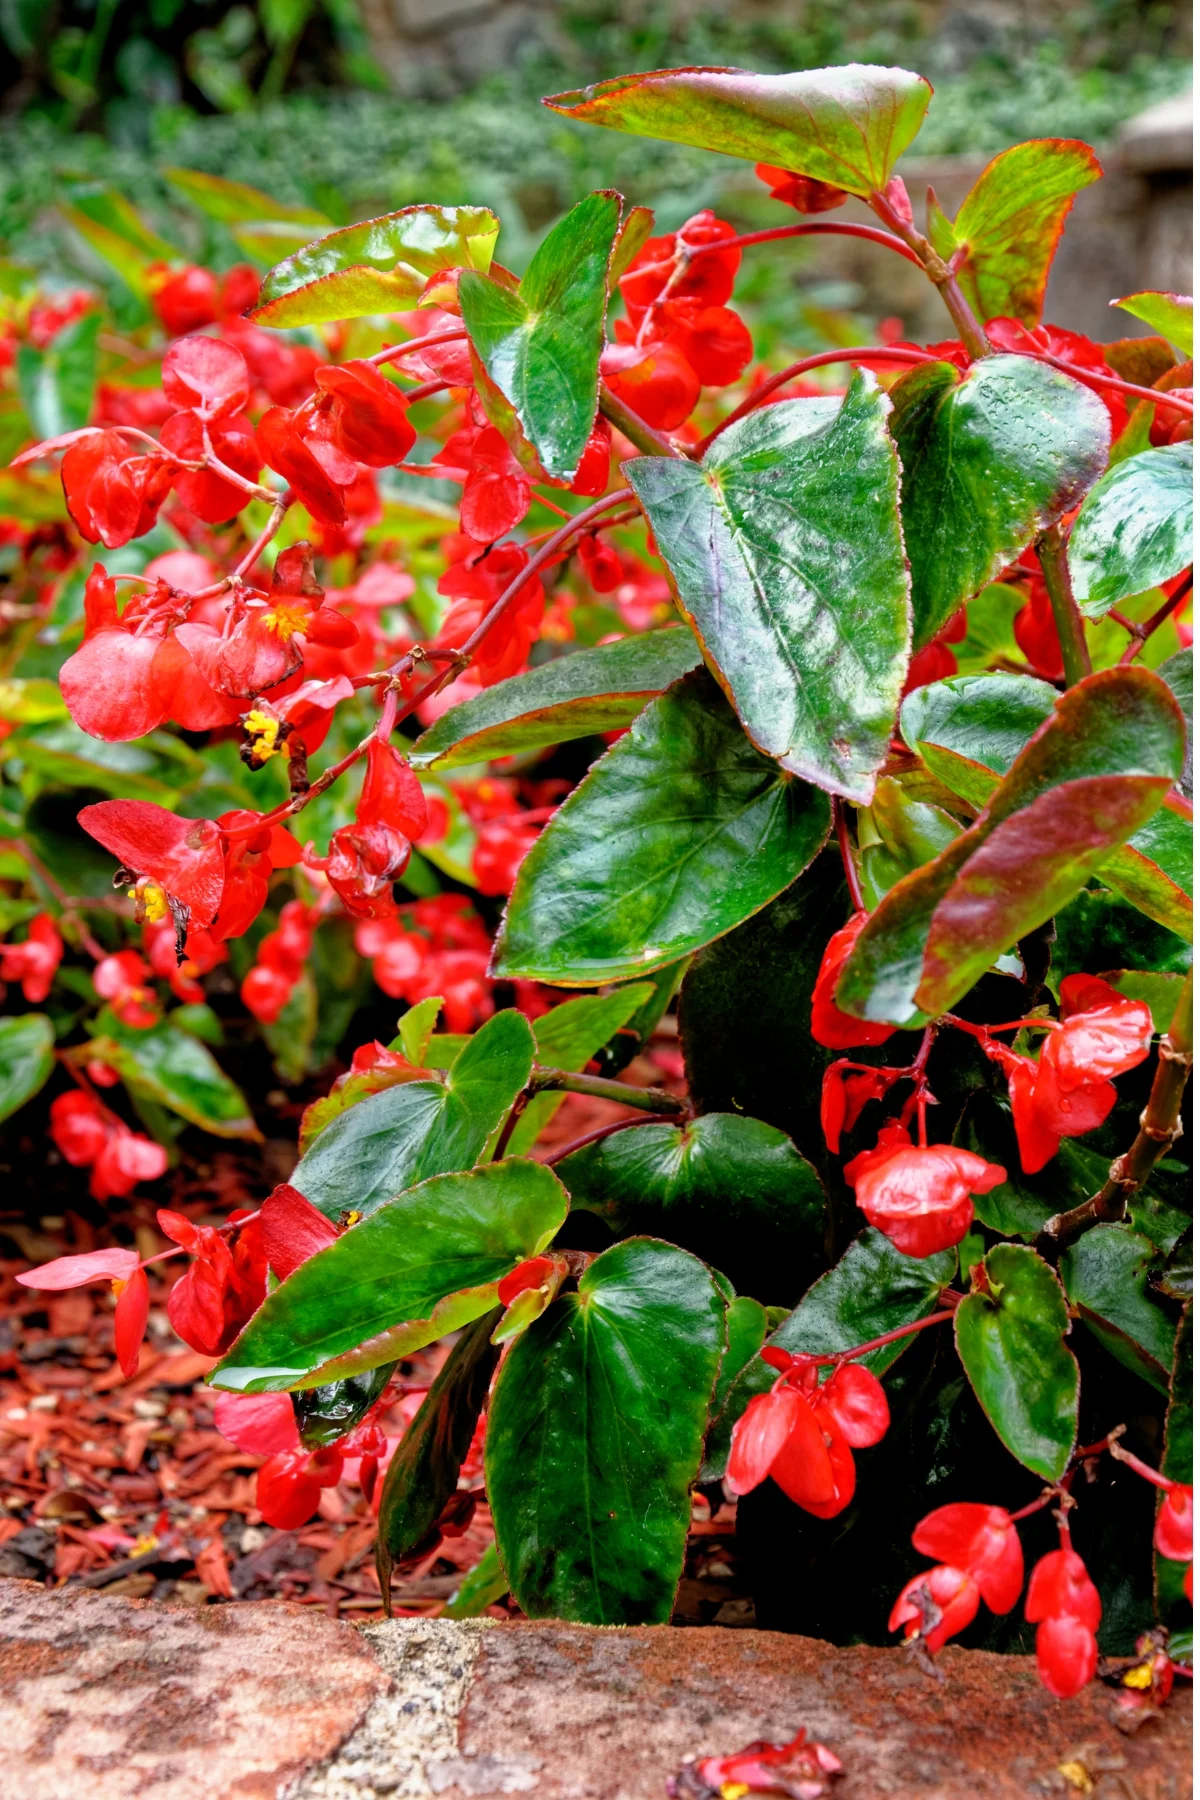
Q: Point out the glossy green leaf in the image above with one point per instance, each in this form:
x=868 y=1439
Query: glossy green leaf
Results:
x=235 y=202
x=607 y=1397
x=421 y=1265
x=1134 y=530
x=678 y=834
x=732 y=1190
x=746 y=1327
x=872 y=1290
x=1177 y=1460
x=417 y=1027
x=1176 y=671
x=1011 y=1338
x=1010 y=223
x=846 y=126
x=58 y=384
x=1169 y=314
x=423 y=1472
x=378 y=266
x=1159 y=992
x=632 y=1037
x=1020 y=1206
x=540 y=347
x=324 y=1414
x=573 y=696
x=567 y=1037
x=397 y=1138
x=481 y=1587
x=1093 y=774
x=785 y=553
x=897 y=835
x=26 y=1059
x=1153 y=871
x=636 y=227
x=990 y=459
x=174 y=1069
x=1105 y=1276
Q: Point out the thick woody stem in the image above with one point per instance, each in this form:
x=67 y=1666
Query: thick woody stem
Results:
x=1159 y=1127
x=1052 y=554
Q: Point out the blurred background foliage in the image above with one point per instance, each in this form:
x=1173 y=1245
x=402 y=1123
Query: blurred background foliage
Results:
x=290 y=95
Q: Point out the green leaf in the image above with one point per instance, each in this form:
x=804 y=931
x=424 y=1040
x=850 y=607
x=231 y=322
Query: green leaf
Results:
x=678 y=834
x=416 y=1028
x=1159 y=992
x=897 y=835
x=1105 y=1276
x=26 y=1059
x=1010 y=223
x=174 y=1069
x=378 y=266
x=394 y=1139
x=1177 y=1460
x=324 y=1414
x=1168 y=314
x=567 y=1037
x=990 y=459
x=1090 y=777
x=746 y=1327
x=35 y=700
x=1011 y=1338
x=419 y=1266
x=1134 y=530
x=1177 y=673
x=119 y=235
x=540 y=347
x=636 y=227
x=786 y=557
x=872 y=1290
x=846 y=126
x=606 y=1397
x=235 y=203
x=58 y=384
x=423 y=1472
x=481 y=1587
x=290 y=1037
x=735 y=1192
x=573 y=696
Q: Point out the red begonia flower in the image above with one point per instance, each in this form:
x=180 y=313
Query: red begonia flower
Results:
x=830 y=1026
x=1173 y=1527
x=265 y=992
x=123 y=980
x=206 y=375
x=391 y=793
x=364 y=860
x=715 y=341
x=760 y=1434
x=475 y=585
x=125 y=1159
x=184 y=299
x=496 y=494
x=1103 y=1034
x=533 y=1273
x=247 y=863
x=1061 y=1584
x=708 y=279
x=799 y=1770
x=801 y=191
x=500 y=848
x=600 y=562
x=655 y=380
x=854 y=1399
x=289 y=1485
x=369 y=414
x=982 y=1540
x=203 y=491
x=34 y=962
x=1037 y=634
x=595 y=465
x=936 y=1605
x=285 y=450
x=1067 y=1653
x=129 y=1320
x=224 y=1286
x=845 y=1091
x=113 y=491
x=920 y=1195
x=92 y=1265
x=262 y=1424
x=293 y=1230
x=182 y=855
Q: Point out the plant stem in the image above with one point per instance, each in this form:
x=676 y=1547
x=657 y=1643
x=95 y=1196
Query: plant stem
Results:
x=848 y=862
x=655 y=1100
x=942 y=276
x=864 y=353
x=1052 y=554
x=810 y=228
x=889 y=1337
x=1140 y=635
x=641 y=435
x=411 y=346
x=1160 y=1126
x=609 y=1130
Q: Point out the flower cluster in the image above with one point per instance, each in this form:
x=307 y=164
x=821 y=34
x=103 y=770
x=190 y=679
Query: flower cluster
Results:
x=802 y=1432
x=35 y=960
x=88 y=1136
x=438 y=946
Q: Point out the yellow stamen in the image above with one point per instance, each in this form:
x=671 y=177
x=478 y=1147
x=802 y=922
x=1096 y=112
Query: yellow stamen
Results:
x=118 y=1287
x=352 y=1218
x=1141 y=1677
x=286 y=621
x=733 y=1790
x=262 y=731
x=151 y=901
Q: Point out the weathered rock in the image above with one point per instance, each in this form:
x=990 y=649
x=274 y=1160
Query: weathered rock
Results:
x=106 y=1699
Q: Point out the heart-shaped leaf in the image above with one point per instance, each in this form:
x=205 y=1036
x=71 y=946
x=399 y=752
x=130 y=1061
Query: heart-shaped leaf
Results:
x=785 y=554
x=846 y=125
x=423 y=1264
x=872 y=1290
x=732 y=1190
x=678 y=834
x=573 y=696
x=567 y=1037
x=990 y=459
x=1170 y=314
x=1134 y=530
x=174 y=1069
x=423 y=1472
x=607 y=1396
x=1010 y=223
x=1105 y=1276
x=1093 y=774
x=394 y=1139
x=378 y=266
x=540 y=347
x=26 y=1059
x=1011 y=1338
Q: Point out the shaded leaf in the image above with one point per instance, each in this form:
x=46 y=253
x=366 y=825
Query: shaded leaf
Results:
x=679 y=833
x=607 y=1396
x=423 y=1264
x=897 y=835
x=235 y=202
x=1177 y=1461
x=573 y=696
x=1105 y=1276
x=324 y=1414
x=174 y=1069
x=990 y=459
x=1011 y=1340
x=786 y=557
x=26 y=1059
x=481 y=1587
x=1134 y=530
x=567 y=1037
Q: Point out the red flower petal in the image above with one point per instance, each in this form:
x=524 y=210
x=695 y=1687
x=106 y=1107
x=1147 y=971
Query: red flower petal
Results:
x=293 y=1230
x=183 y=855
x=262 y=1424
x=208 y=374
x=74 y=1271
x=129 y=1321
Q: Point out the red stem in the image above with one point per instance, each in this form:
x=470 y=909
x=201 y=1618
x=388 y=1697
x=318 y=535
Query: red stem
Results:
x=889 y=1337
x=848 y=864
x=602 y=1131
x=810 y=228
x=1090 y=378
x=412 y=345
x=865 y=353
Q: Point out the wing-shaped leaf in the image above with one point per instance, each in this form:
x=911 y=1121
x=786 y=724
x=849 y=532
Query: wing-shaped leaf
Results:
x=607 y=1396
x=1134 y=530
x=1011 y=1338
x=567 y=1037
x=175 y=1070
x=1105 y=1276
x=420 y=1266
x=679 y=833
x=785 y=553
x=26 y=1059
x=733 y=1191
x=1010 y=223
x=378 y=266
x=990 y=459
x=399 y=1137
x=540 y=347
x=1170 y=314
x=573 y=696
x=1093 y=774
x=846 y=126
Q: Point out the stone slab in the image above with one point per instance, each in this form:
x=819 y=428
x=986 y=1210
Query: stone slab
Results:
x=111 y=1699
